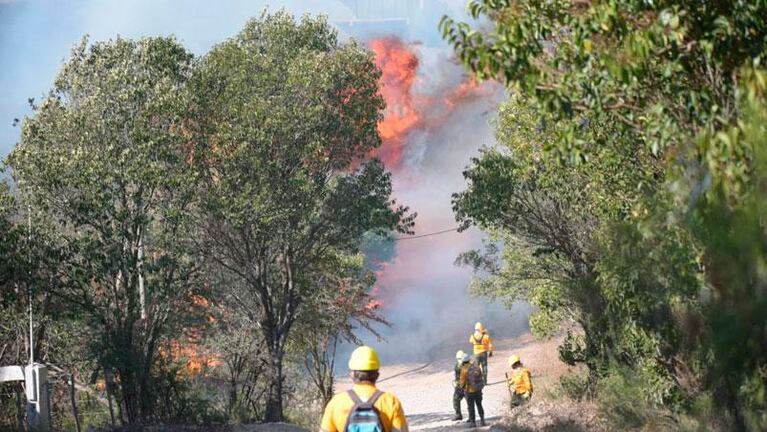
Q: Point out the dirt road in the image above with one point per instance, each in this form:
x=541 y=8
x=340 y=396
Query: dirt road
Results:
x=426 y=390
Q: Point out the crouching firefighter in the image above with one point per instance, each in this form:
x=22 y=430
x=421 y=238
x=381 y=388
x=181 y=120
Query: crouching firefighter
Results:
x=520 y=384
x=364 y=408
x=472 y=383
x=457 y=390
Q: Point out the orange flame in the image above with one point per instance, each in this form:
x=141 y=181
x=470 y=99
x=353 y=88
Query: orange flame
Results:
x=374 y=304
x=468 y=91
x=406 y=110
x=398 y=72
x=194 y=359
x=375 y=301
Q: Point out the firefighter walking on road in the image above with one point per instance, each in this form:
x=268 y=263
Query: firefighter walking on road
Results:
x=472 y=382
x=483 y=347
x=520 y=384
x=364 y=408
x=457 y=390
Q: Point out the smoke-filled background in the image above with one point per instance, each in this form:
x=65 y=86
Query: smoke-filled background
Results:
x=436 y=120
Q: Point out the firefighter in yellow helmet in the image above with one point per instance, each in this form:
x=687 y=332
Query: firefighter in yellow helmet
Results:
x=520 y=384
x=472 y=383
x=483 y=346
x=457 y=389
x=364 y=407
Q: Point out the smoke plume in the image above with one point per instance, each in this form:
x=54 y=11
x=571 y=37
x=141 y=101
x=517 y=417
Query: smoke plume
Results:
x=437 y=117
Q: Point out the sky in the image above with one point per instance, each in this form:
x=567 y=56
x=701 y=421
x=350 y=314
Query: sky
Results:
x=37 y=35
x=423 y=294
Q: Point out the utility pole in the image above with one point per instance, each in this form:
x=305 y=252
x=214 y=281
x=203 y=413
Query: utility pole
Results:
x=35 y=376
x=29 y=284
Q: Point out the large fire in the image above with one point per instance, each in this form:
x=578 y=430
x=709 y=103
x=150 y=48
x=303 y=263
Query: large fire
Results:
x=398 y=66
x=407 y=110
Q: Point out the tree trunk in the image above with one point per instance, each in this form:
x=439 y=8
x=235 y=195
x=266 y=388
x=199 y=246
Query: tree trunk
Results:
x=130 y=396
x=274 y=397
x=145 y=395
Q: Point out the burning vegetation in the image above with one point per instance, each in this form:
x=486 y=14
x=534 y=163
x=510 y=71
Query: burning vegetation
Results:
x=407 y=109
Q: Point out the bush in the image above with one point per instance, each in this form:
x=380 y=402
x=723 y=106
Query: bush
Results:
x=621 y=402
x=575 y=385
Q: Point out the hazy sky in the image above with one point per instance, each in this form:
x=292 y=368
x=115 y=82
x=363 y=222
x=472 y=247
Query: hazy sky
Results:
x=36 y=35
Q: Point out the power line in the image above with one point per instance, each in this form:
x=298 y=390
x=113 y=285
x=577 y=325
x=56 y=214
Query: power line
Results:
x=428 y=234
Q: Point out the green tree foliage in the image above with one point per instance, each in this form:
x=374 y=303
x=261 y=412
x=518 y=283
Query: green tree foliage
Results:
x=102 y=163
x=281 y=114
x=11 y=243
x=650 y=129
x=332 y=315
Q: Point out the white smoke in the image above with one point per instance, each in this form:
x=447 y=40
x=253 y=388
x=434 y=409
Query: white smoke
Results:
x=425 y=295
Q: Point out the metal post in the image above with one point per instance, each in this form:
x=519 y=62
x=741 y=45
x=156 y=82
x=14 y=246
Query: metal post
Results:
x=38 y=408
x=29 y=285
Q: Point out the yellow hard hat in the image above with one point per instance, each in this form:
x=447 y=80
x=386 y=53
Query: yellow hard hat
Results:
x=514 y=359
x=364 y=358
x=479 y=326
x=459 y=355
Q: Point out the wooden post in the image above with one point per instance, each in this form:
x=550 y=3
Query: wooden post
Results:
x=19 y=409
x=73 y=398
x=48 y=392
x=108 y=386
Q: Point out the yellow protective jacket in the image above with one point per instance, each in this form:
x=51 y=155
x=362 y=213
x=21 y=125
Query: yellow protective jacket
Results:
x=520 y=381
x=388 y=406
x=482 y=342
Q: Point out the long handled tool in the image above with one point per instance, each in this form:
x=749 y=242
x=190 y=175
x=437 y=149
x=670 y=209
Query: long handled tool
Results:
x=511 y=395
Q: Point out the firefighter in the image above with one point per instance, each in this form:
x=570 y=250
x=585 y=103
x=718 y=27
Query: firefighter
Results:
x=457 y=390
x=520 y=384
x=483 y=346
x=472 y=382
x=364 y=407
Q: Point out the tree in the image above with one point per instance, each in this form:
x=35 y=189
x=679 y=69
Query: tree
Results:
x=331 y=317
x=280 y=116
x=103 y=163
x=680 y=87
x=243 y=362
x=548 y=216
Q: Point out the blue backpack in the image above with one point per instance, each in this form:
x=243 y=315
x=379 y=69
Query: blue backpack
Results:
x=364 y=416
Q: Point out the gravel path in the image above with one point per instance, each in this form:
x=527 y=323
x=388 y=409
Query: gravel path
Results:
x=426 y=390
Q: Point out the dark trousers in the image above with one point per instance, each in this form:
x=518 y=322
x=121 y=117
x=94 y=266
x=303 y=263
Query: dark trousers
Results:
x=517 y=400
x=475 y=399
x=457 y=396
x=482 y=362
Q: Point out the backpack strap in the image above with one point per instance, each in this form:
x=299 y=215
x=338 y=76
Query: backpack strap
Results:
x=368 y=403
x=374 y=397
x=353 y=395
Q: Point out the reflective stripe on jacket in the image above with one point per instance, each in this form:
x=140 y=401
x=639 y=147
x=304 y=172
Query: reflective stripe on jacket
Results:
x=388 y=406
x=482 y=342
